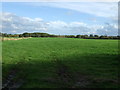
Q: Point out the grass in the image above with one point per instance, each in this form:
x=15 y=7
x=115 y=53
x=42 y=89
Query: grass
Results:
x=12 y=38
x=62 y=62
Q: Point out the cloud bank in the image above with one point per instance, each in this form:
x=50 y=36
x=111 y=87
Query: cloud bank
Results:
x=12 y=23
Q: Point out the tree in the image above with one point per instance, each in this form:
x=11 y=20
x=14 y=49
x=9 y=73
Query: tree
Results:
x=25 y=34
x=78 y=36
x=96 y=36
x=91 y=35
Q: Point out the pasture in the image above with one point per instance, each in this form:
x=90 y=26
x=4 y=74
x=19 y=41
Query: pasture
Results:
x=60 y=63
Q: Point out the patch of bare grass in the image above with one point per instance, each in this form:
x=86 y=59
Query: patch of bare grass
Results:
x=3 y=39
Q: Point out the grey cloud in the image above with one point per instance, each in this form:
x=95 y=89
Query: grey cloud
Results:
x=12 y=23
x=108 y=29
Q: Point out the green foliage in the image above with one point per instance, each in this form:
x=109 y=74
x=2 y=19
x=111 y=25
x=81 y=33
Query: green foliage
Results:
x=70 y=36
x=96 y=36
x=91 y=35
x=37 y=34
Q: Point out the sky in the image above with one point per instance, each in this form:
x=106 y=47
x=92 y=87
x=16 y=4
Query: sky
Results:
x=61 y=18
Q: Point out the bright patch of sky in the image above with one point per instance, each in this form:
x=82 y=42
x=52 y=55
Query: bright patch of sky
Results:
x=69 y=17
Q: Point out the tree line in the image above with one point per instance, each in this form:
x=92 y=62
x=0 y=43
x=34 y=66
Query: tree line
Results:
x=91 y=36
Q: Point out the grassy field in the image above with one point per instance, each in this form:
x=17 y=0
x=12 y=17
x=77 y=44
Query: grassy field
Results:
x=60 y=62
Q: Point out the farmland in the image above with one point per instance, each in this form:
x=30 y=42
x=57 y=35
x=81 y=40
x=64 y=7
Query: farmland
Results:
x=60 y=62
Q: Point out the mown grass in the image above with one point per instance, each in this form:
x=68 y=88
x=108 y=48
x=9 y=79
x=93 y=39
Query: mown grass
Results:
x=36 y=59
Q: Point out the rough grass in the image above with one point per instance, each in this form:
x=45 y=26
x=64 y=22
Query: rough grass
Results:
x=12 y=38
x=61 y=62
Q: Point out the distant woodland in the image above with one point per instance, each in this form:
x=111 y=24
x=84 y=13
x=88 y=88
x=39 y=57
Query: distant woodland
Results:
x=37 y=34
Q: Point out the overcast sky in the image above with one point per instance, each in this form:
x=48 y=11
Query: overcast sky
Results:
x=60 y=17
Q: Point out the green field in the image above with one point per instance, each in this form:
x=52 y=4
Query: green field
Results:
x=60 y=62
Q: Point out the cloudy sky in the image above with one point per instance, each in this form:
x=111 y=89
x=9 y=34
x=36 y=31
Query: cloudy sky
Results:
x=62 y=18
